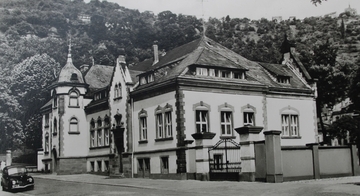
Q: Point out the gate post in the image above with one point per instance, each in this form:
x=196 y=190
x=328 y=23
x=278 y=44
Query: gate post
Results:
x=274 y=167
x=248 y=135
x=202 y=141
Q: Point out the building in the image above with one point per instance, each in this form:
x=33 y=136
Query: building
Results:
x=174 y=122
x=81 y=119
x=351 y=11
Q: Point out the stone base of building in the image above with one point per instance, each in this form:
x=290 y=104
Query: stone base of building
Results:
x=71 y=166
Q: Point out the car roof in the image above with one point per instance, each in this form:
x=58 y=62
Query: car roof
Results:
x=14 y=166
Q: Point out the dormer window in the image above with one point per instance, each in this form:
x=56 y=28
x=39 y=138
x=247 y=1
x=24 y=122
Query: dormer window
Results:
x=221 y=73
x=150 y=78
x=283 y=79
x=239 y=75
x=74 y=77
x=145 y=79
x=201 y=71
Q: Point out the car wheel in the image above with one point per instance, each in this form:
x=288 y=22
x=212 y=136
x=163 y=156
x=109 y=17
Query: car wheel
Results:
x=3 y=188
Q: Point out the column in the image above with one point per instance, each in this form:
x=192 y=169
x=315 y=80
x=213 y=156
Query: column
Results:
x=8 y=158
x=248 y=135
x=202 y=142
x=273 y=157
x=316 y=161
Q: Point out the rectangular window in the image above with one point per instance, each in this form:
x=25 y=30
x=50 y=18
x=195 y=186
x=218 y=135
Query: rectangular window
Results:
x=218 y=161
x=159 y=125
x=249 y=119
x=201 y=71
x=106 y=166
x=143 y=128
x=164 y=165
x=99 y=166
x=226 y=123
x=99 y=137
x=168 y=124
x=290 y=125
x=92 y=139
x=47 y=120
x=239 y=75
x=92 y=166
x=226 y=74
x=212 y=72
x=150 y=78
x=106 y=136
x=142 y=80
x=202 y=123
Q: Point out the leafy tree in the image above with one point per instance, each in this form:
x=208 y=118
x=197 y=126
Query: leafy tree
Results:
x=333 y=80
x=29 y=80
x=345 y=128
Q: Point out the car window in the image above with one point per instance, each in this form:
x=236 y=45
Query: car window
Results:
x=13 y=171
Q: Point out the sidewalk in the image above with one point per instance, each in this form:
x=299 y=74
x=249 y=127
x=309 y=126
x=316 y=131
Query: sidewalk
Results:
x=342 y=186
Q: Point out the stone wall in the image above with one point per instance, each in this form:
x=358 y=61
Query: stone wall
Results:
x=72 y=166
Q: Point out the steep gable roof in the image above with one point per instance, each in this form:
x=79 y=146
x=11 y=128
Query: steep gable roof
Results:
x=99 y=76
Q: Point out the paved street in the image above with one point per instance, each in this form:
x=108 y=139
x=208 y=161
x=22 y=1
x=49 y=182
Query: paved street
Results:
x=86 y=184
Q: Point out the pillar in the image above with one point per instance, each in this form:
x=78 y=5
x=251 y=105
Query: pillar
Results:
x=274 y=166
x=202 y=142
x=248 y=135
x=316 y=161
x=8 y=158
x=355 y=160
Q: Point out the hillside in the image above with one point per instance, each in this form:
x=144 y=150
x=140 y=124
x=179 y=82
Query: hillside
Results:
x=34 y=39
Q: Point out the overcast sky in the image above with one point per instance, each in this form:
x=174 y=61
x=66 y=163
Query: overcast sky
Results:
x=253 y=9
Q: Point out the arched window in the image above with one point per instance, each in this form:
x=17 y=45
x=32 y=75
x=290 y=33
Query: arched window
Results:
x=99 y=132
x=117 y=91
x=106 y=131
x=46 y=142
x=92 y=133
x=74 y=101
x=55 y=100
x=55 y=126
x=74 y=125
x=143 y=125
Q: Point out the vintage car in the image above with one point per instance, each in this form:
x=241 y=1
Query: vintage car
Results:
x=16 y=177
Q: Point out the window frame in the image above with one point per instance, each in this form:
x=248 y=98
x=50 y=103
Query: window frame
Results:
x=199 y=108
x=143 y=126
x=287 y=115
x=55 y=126
x=225 y=126
x=248 y=109
x=99 y=132
x=106 y=131
x=72 y=124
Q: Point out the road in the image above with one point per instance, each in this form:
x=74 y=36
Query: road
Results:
x=91 y=185
x=45 y=187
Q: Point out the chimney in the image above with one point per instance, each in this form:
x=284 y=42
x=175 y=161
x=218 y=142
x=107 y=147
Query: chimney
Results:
x=121 y=60
x=156 y=52
x=84 y=68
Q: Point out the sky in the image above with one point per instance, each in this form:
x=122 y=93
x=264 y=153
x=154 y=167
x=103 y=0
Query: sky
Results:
x=252 y=9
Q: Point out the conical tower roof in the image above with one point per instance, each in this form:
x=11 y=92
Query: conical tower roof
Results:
x=69 y=73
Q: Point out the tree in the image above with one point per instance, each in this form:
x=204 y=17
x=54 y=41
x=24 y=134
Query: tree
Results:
x=28 y=83
x=315 y=2
x=333 y=80
x=345 y=129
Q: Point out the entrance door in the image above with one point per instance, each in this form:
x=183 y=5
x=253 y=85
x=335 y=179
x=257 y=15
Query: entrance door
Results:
x=225 y=160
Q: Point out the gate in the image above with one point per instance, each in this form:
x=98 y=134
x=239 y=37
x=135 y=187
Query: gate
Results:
x=225 y=160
